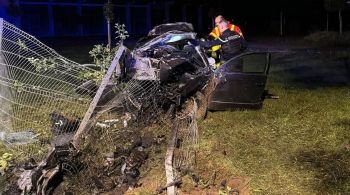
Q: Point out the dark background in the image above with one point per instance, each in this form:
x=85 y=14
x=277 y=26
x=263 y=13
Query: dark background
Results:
x=60 y=18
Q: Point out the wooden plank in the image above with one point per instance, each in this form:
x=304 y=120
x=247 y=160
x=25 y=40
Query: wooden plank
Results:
x=169 y=172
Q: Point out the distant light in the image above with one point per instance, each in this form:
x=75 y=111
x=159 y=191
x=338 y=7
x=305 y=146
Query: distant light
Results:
x=348 y=2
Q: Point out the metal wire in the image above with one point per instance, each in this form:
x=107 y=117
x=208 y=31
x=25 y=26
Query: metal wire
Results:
x=35 y=82
x=38 y=92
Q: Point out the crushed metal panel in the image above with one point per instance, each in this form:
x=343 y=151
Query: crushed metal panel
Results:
x=163 y=28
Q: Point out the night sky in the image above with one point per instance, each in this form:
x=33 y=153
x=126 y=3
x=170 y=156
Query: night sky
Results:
x=300 y=17
x=263 y=17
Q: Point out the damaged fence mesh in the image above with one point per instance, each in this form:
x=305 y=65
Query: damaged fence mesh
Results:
x=37 y=88
x=44 y=95
x=133 y=96
x=186 y=139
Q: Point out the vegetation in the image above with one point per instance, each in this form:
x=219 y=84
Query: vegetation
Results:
x=323 y=38
x=103 y=55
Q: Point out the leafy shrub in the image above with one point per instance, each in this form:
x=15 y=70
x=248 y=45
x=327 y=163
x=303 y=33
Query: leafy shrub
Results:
x=323 y=38
x=103 y=55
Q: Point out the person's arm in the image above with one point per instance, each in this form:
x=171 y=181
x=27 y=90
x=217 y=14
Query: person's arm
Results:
x=208 y=44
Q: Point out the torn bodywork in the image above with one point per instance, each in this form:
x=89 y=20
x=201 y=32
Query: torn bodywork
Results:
x=164 y=59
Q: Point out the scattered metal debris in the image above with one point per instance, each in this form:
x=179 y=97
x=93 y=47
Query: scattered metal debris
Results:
x=40 y=177
x=62 y=124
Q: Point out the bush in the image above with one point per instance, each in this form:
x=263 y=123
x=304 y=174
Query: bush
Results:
x=323 y=38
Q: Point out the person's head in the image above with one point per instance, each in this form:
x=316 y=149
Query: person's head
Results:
x=218 y=19
x=223 y=25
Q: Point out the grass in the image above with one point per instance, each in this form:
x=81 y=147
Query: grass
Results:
x=331 y=38
x=294 y=145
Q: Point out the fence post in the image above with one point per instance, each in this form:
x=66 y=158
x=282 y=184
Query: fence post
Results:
x=200 y=17
x=5 y=90
x=184 y=15
x=51 y=19
x=86 y=123
x=167 y=11
x=18 y=19
x=80 y=14
x=149 y=16
x=128 y=18
x=1 y=27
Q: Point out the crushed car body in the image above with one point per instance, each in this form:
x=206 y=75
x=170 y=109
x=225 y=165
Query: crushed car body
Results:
x=166 y=56
x=241 y=80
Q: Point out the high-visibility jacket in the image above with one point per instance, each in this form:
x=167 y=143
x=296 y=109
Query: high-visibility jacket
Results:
x=216 y=33
x=231 y=44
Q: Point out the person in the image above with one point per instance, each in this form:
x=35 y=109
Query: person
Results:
x=231 y=42
x=215 y=33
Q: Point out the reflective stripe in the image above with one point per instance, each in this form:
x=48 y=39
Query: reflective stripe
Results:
x=217 y=31
x=216 y=47
x=224 y=41
x=236 y=29
x=213 y=35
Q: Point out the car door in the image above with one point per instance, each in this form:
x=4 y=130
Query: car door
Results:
x=241 y=82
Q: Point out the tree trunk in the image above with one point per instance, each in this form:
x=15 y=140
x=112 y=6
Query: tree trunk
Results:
x=340 y=23
x=109 y=34
x=327 y=22
x=281 y=23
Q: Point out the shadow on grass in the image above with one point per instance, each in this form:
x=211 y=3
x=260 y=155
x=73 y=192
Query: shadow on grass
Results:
x=331 y=169
x=344 y=123
x=312 y=71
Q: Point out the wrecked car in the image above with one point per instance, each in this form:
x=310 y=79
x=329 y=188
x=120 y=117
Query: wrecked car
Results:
x=241 y=80
x=166 y=56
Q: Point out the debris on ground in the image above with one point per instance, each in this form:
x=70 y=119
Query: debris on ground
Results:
x=18 y=138
x=5 y=161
